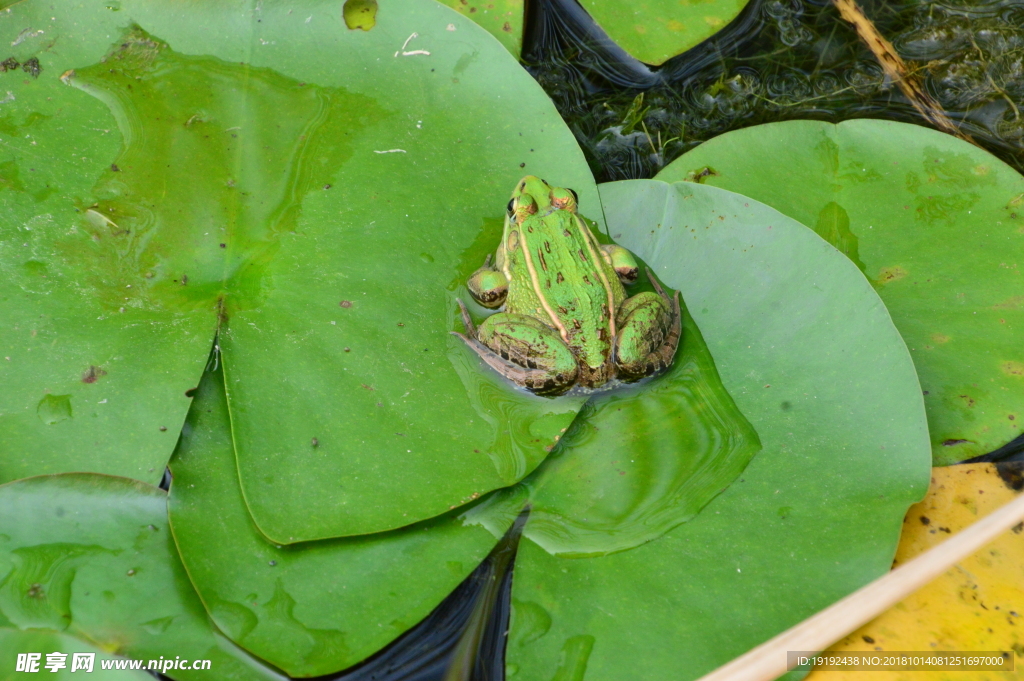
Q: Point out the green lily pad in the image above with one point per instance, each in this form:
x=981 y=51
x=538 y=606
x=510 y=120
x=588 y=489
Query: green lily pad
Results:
x=656 y=30
x=241 y=167
x=501 y=18
x=95 y=370
x=937 y=226
x=43 y=642
x=91 y=556
x=810 y=357
x=312 y=608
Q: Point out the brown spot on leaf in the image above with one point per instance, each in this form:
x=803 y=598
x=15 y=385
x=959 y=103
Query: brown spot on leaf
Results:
x=890 y=274
x=1012 y=368
x=92 y=373
x=32 y=67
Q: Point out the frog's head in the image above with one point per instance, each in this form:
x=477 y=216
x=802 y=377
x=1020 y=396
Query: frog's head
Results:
x=533 y=195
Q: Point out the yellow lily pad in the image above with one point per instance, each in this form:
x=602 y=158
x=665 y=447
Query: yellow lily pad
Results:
x=977 y=605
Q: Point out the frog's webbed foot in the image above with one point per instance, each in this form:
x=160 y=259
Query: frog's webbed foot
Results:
x=523 y=350
x=651 y=327
x=488 y=286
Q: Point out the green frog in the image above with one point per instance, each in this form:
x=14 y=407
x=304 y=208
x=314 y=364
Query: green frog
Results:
x=566 y=320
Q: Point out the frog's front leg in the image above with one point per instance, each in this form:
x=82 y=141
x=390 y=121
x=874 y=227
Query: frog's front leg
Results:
x=523 y=349
x=650 y=326
x=488 y=286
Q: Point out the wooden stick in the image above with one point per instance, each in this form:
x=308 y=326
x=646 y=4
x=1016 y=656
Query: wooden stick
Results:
x=768 y=660
x=897 y=70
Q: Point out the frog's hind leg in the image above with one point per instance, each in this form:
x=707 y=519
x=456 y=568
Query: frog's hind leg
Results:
x=650 y=329
x=524 y=350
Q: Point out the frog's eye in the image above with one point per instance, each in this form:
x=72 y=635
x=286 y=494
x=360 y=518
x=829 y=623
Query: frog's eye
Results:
x=511 y=208
x=564 y=199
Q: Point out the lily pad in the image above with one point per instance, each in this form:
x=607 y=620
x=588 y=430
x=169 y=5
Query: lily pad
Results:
x=656 y=30
x=811 y=359
x=91 y=556
x=937 y=226
x=312 y=608
x=241 y=167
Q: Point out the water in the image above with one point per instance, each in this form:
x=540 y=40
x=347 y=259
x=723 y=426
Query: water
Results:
x=779 y=60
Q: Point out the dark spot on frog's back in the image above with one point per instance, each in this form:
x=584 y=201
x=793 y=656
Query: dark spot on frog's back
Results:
x=9 y=64
x=785 y=406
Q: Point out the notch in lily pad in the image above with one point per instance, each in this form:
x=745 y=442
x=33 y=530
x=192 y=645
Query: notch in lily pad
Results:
x=360 y=14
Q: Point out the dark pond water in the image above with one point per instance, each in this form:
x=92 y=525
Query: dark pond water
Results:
x=779 y=60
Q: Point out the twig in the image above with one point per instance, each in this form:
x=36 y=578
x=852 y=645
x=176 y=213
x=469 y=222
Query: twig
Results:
x=769 y=660
x=897 y=70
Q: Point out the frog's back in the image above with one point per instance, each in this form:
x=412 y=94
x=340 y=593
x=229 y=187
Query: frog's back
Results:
x=569 y=285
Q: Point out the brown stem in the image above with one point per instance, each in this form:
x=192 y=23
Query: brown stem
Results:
x=897 y=69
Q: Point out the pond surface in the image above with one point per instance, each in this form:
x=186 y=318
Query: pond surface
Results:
x=779 y=60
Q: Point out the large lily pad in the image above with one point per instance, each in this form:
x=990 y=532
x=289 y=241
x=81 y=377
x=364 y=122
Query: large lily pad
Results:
x=809 y=355
x=936 y=224
x=656 y=30
x=91 y=556
x=312 y=608
x=240 y=165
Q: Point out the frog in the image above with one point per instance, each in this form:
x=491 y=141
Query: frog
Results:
x=564 y=320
